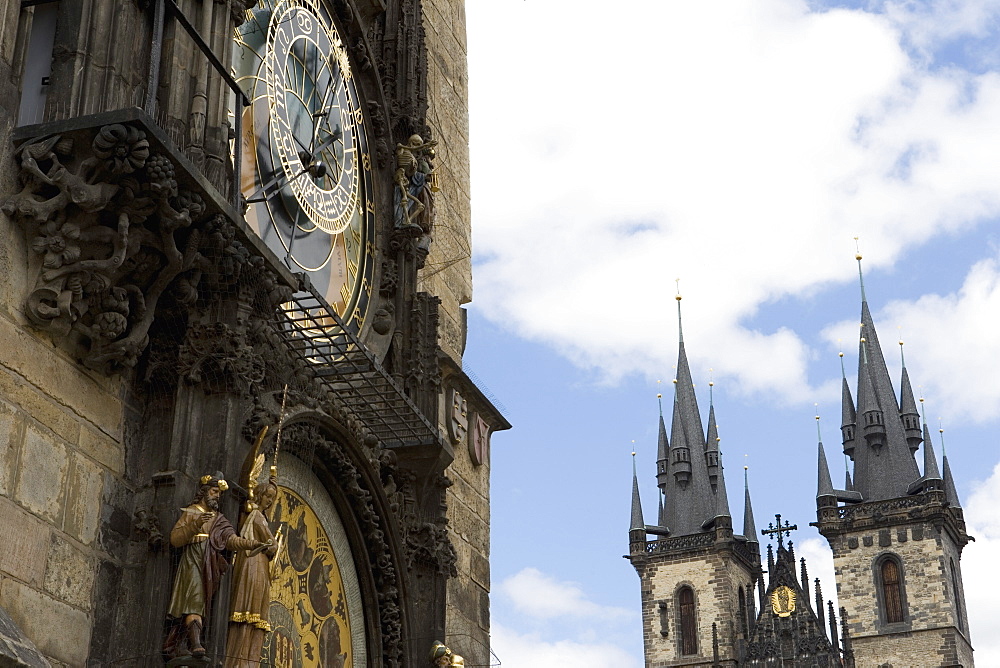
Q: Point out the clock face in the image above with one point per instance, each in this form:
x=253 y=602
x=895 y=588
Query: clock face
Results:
x=306 y=170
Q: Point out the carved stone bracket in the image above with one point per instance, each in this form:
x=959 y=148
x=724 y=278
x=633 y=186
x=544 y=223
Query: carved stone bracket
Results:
x=118 y=237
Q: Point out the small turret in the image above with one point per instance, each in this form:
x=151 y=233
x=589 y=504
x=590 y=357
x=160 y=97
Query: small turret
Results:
x=662 y=449
x=872 y=418
x=680 y=450
x=950 y=491
x=848 y=416
x=908 y=408
x=712 y=441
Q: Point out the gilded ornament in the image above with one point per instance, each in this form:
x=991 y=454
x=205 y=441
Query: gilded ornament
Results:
x=783 y=601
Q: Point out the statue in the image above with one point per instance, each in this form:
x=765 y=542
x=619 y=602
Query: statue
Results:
x=248 y=618
x=204 y=535
x=443 y=657
x=414 y=184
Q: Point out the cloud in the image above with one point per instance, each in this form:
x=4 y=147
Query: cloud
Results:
x=538 y=595
x=979 y=561
x=739 y=150
x=528 y=650
x=819 y=559
x=952 y=376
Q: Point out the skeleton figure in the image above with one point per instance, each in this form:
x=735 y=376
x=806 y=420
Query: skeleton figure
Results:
x=413 y=172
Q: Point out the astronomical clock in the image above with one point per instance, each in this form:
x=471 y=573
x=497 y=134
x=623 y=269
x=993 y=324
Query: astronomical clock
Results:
x=306 y=168
x=308 y=186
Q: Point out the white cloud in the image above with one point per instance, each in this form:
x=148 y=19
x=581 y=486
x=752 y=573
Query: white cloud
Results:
x=952 y=376
x=739 y=150
x=979 y=561
x=819 y=559
x=529 y=650
x=540 y=596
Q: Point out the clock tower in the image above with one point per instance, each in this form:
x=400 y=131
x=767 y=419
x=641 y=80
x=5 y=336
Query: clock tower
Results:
x=216 y=224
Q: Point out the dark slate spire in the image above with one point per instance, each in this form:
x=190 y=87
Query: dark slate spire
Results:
x=908 y=407
x=950 y=491
x=721 y=497
x=931 y=471
x=848 y=423
x=689 y=498
x=825 y=483
x=712 y=441
x=884 y=464
x=848 y=483
x=749 y=526
x=637 y=521
x=662 y=449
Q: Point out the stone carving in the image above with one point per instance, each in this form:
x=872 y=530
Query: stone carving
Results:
x=458 y=416
x=414 y=186
x=114 y=236
x=479 y=443
x=146 y=523
x=429 y=544
x=214 y=349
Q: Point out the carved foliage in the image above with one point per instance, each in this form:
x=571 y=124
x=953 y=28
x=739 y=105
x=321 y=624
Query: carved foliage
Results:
x=114 y=237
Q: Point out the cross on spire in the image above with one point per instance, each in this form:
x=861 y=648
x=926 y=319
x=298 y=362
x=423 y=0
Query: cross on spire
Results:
x=779 y=530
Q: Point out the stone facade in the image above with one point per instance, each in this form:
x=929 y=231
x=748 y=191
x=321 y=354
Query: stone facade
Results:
x=934 y=630
x=716 y=578
x=102 y=439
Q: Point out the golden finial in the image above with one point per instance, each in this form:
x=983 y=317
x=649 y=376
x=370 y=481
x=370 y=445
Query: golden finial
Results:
x=678 y=282
x=745 y=457
x=857 y=247
x=659 y=396
x=633 y=447
x=711 y=377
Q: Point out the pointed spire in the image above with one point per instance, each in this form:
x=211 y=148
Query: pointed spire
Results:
x=908 y=407
x=848 y=422
x=861 y=275
x=824 y=486
x=662 y=448
x=680 y=326
x=749 y=526
x=712 y=439
x=950 y=491
x=659 y=514
x=721 y=497
x=637 y=521
x=931 y=471
x=848 y=483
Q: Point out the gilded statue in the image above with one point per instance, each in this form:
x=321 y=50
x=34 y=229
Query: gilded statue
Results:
x=204 y=535
x=248 y=617
x=414 y=184
x=443 y=657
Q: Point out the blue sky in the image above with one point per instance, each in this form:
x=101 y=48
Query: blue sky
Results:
x=740 y=146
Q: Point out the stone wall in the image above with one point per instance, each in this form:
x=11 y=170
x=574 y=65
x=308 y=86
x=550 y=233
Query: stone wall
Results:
x=60 y=442
x=716 y=579
x=929 y=628
x=448 y=269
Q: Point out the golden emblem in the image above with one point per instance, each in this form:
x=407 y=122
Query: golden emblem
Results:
x=783 y=601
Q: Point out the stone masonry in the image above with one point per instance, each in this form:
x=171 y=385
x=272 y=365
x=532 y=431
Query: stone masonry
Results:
x=929 y=628
x=716 y=579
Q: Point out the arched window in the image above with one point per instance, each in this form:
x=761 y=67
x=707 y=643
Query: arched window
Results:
x=743 y=614
x=689 y=628
x=958 y=596
x=892 y=590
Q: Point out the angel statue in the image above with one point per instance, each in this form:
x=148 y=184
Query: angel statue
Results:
x=248 y=619
x=444 y=657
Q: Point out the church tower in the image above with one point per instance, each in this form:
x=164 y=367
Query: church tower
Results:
x=697 y=576
x=896 y=532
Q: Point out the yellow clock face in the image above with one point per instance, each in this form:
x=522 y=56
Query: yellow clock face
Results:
x=306 y=171
x=308 y=613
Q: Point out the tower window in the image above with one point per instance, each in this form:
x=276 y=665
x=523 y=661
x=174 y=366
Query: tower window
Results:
x=743 y=614
x=892 y=591
x=958 y=596
x=689 y=629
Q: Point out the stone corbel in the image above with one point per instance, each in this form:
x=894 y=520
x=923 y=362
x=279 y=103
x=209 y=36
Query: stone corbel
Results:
x=116 y=232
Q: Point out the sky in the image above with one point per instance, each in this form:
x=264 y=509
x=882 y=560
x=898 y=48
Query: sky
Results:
x=740 y=147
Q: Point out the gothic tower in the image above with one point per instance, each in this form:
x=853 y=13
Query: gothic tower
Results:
x=697 y=577
x=896 y=533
